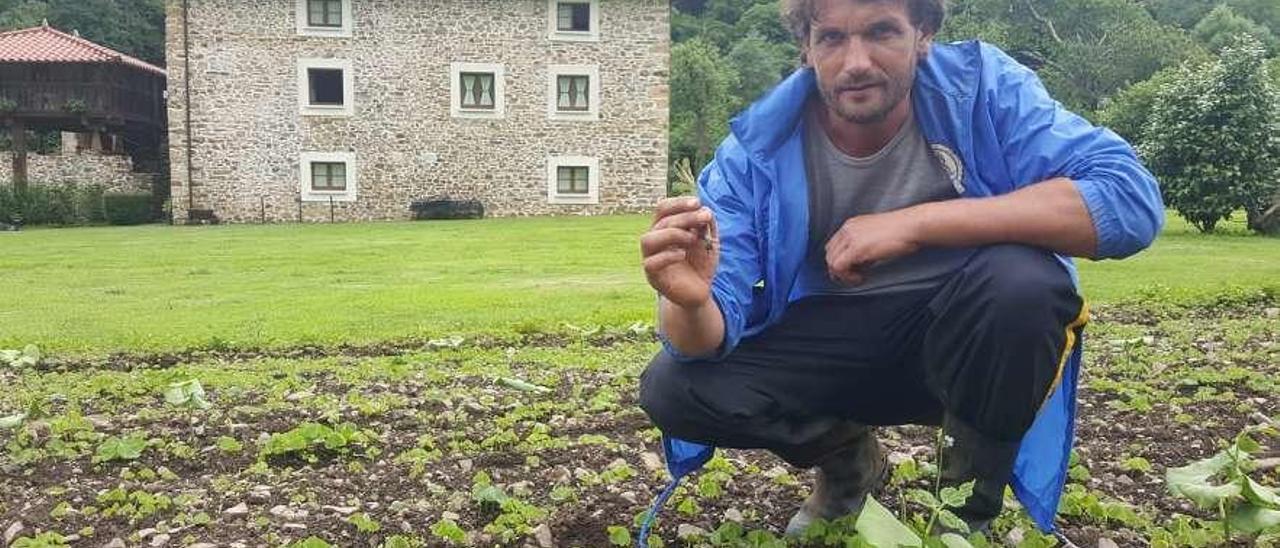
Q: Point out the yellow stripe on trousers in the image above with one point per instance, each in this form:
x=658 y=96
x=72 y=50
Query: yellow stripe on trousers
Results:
x=1067 y=346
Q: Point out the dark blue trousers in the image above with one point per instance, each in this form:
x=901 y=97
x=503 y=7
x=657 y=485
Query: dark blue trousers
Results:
x=982 y=347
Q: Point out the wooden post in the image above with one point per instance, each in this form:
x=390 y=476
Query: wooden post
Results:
x=19 y=155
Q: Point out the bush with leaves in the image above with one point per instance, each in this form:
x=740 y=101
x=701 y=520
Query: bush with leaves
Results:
x=1220 y=27
x=41 y=204
x=1213 y=138
x=133 y=208
x=1128 y=111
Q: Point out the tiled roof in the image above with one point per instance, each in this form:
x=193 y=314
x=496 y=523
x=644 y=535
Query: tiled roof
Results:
x=45 y=44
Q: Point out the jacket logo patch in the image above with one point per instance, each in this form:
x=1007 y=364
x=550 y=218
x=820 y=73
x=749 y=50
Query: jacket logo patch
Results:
x=950 y=162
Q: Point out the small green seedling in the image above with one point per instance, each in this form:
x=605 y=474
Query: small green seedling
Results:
x=1245 y=506
x=187 y=393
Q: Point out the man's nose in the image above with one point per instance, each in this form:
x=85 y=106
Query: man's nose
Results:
x=857 y=57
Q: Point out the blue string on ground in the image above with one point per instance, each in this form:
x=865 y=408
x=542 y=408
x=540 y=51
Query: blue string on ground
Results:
x=642 y=541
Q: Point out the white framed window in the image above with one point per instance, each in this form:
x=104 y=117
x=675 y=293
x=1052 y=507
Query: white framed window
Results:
x=574 y=20
x=330 y=18
x=573 y=92
x=326 y=87
x=477 y=90
x=573 y=180
x=326 y=175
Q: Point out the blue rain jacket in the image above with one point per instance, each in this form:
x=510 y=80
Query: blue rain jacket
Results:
x=993 y=126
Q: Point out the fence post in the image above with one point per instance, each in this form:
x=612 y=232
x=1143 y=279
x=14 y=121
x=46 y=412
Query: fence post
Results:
x=299 y=208
x=262 y=210
x=331 y=209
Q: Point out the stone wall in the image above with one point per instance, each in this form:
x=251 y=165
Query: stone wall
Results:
x=114 y=172
x=247 y=133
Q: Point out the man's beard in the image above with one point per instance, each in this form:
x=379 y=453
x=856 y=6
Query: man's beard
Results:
x=893 y=92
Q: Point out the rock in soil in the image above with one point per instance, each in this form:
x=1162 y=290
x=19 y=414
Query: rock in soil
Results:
x=543 y=535
x=115 y=543
x=160 y=540
x=685 y=531
x=1015 y=536
x=344 y=510
x=260 y=493
x=12 y=532
x=237 y=510
x=734 y=515
x=1105 y=542
x=285 y=512
x=652 y=461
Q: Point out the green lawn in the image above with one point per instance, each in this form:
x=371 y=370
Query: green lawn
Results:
x=94 y=290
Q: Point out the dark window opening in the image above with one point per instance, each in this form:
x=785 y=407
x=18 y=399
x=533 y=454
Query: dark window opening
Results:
x=331 y=176
x=573 y=16
x=326 y=87
x=324 y=13
x=571 y=179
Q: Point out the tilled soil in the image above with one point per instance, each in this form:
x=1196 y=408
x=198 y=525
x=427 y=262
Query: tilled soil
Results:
x=1168 y=388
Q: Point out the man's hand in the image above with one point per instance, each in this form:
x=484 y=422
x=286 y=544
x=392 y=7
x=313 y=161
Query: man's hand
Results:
x=866 y=240
x=681 y=251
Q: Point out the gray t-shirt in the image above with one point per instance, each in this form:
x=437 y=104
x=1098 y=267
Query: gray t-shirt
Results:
x=902 y=174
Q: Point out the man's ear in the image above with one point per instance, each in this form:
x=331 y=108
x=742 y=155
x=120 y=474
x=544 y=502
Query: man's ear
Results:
x=923 y=44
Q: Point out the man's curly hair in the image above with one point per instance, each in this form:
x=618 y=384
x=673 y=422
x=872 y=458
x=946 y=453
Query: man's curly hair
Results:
x=926 y=15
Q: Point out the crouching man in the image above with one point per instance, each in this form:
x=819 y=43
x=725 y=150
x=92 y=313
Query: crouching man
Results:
x=883 y=239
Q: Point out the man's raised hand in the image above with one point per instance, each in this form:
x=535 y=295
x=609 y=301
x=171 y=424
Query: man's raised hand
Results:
x=681 y=251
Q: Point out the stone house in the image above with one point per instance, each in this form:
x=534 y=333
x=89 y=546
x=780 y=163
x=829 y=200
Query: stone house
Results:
x=288 y=110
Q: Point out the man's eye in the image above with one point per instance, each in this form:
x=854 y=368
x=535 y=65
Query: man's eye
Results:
x=828 y=37
x=883 y=32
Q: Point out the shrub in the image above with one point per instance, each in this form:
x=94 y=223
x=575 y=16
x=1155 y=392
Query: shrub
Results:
x=66 y=204
x=1213 y=137
x=1127 y=111
x=129 y=209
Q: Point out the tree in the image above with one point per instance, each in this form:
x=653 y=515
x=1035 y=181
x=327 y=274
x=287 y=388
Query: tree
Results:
x=1084 y=50
x=701 y=99
x=1264 y=12
x=765 y=21
x=1180 y=13
x=1127 y=111
x=1214 y=137
x=1219 y=28
x=1186 y=13
x=759 y=64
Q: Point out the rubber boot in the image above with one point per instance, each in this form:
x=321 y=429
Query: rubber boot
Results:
x=972 y=456
x=845 y=479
